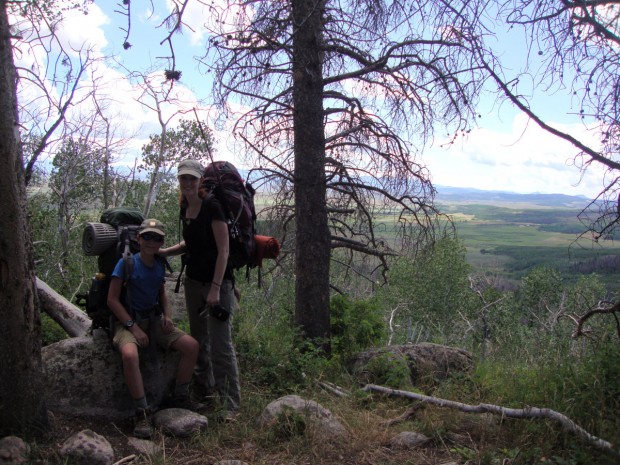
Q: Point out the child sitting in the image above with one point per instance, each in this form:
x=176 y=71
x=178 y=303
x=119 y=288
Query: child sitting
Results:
x=143 y=318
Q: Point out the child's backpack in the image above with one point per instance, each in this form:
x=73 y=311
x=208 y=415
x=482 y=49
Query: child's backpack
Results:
x=113 y=238
x=237 y=199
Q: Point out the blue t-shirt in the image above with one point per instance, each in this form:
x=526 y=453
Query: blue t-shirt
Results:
x=144 y=285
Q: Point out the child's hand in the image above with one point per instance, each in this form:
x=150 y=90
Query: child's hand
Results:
x=167 y=324
x=141 y=337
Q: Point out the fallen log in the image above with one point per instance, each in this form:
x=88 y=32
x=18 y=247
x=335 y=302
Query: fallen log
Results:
x=527 y=412
x=70 y=317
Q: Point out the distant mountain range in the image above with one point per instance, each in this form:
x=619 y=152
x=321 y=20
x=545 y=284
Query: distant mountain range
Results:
x=469 y=195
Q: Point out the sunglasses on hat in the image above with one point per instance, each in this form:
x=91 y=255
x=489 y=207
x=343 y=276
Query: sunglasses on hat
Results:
x=149 y=236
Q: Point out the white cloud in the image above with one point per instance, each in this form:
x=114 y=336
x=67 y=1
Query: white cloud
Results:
x=512 y=156
x=520 y=158
x=78 y=30
x=199 y=18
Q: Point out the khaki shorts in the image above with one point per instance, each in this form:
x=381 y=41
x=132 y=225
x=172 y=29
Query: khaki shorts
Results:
x=123 y=336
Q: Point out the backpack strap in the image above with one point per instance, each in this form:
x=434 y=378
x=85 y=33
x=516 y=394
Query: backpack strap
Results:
x=128 y=261
x=178 y=284
x=212 y=196
x=183 y=256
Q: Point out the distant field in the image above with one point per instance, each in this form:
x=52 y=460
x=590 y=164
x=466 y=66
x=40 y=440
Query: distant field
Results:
x=509 y=234
x=509 y=240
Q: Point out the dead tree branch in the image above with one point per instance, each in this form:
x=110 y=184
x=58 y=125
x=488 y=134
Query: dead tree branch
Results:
x=602 y=308
x=527 y=412
x=70 y=317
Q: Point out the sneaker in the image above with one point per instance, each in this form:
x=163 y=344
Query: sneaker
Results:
x=185 y=402
x=142 y=428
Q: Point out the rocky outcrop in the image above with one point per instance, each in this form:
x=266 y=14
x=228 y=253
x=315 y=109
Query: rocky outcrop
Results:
x=89 y=447
x=83 y=376
x=425 y=361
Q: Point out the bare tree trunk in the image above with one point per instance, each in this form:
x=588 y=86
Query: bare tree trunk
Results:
x=154 y=184
x=312 y=233
x=22 y=404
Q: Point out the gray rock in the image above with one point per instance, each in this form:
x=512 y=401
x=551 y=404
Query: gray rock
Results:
x=144 y=446
x=83 y=375
x=13 y=451
x=408 y=440
x=309 y=409
x=87 y=448
x=179 y=422
x=426 y=361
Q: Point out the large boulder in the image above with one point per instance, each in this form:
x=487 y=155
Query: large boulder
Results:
x=83 y=375
x=87 y=448
x=308 y=410
x=425 y=362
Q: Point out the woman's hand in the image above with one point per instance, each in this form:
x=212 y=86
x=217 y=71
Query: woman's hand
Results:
x=213 y=297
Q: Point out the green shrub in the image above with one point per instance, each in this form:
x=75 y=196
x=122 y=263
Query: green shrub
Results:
x=288 y=424
x=273 y=357
x=355 y=325
x=389 y=370
x=51 y=331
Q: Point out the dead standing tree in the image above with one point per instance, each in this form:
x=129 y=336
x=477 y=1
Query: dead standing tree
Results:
x=342 y=98
x=158 y=96
x=52 y=76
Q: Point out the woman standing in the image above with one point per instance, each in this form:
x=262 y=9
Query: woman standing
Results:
x=209 y=288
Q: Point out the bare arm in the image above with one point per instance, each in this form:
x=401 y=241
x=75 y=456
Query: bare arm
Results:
x=173 y=250
x=166 y=321
x=114 y=300
x=220 y=232
x=120 y=312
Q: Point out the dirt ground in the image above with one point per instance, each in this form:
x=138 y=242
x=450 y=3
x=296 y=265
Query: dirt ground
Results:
x=220 y=445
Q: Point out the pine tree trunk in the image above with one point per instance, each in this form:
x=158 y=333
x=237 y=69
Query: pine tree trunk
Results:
x=22 y=404
x=312 y=250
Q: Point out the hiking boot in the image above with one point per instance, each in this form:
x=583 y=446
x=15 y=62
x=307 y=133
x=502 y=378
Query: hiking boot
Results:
x=185 y=402
x=230 y=416
x=227 y=416
x=142 y=428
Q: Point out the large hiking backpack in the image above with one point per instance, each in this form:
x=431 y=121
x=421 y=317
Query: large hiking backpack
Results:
x=113 y=238
x=237 y=199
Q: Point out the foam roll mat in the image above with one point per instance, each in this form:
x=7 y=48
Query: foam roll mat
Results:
x=98 y=237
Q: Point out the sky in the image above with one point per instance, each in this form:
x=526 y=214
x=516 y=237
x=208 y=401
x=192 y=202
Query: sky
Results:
x=505 y=152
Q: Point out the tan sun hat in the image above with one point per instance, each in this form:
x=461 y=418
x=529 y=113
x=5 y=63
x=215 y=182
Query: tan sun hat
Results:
x=152 y=225
x=191 y=167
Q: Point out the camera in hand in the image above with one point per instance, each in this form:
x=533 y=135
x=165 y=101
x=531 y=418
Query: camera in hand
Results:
x=219 y=312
